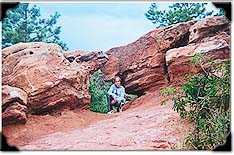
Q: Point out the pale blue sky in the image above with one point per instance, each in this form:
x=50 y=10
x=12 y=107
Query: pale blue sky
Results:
x=100 y=26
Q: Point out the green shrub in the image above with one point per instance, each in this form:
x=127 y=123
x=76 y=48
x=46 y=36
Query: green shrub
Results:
x=98 y=89
x=205 y=99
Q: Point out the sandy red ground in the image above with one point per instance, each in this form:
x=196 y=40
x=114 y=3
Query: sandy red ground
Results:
x=145 y=125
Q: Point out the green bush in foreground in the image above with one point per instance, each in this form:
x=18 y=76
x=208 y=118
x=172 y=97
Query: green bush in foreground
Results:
x=205 y=99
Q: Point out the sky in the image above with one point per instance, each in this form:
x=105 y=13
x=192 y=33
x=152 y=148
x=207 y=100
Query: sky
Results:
x=100 y=26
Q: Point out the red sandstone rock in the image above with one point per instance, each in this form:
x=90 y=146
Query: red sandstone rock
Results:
x=175 y=35
x=93 y=60
x=12 y=94
x=14 y=105
x=208 y=27
x=179 y=59
x=141 y=64
x=49 y=79
x=144 y=66
x=14 y=114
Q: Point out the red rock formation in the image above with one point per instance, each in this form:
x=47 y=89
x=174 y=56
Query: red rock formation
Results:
x=49 y=79
x=141 y=64
x=179 y=59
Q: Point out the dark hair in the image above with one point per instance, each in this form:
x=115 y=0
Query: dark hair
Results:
x=116 y=78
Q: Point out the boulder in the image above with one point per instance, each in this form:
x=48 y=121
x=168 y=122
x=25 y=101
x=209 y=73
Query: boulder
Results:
x=179 y=59
x=14 y=105
x=50 y=80
x=12 y=94
x=94 y=60
x=208 y=27
x=15 y=114
x=173 y=36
